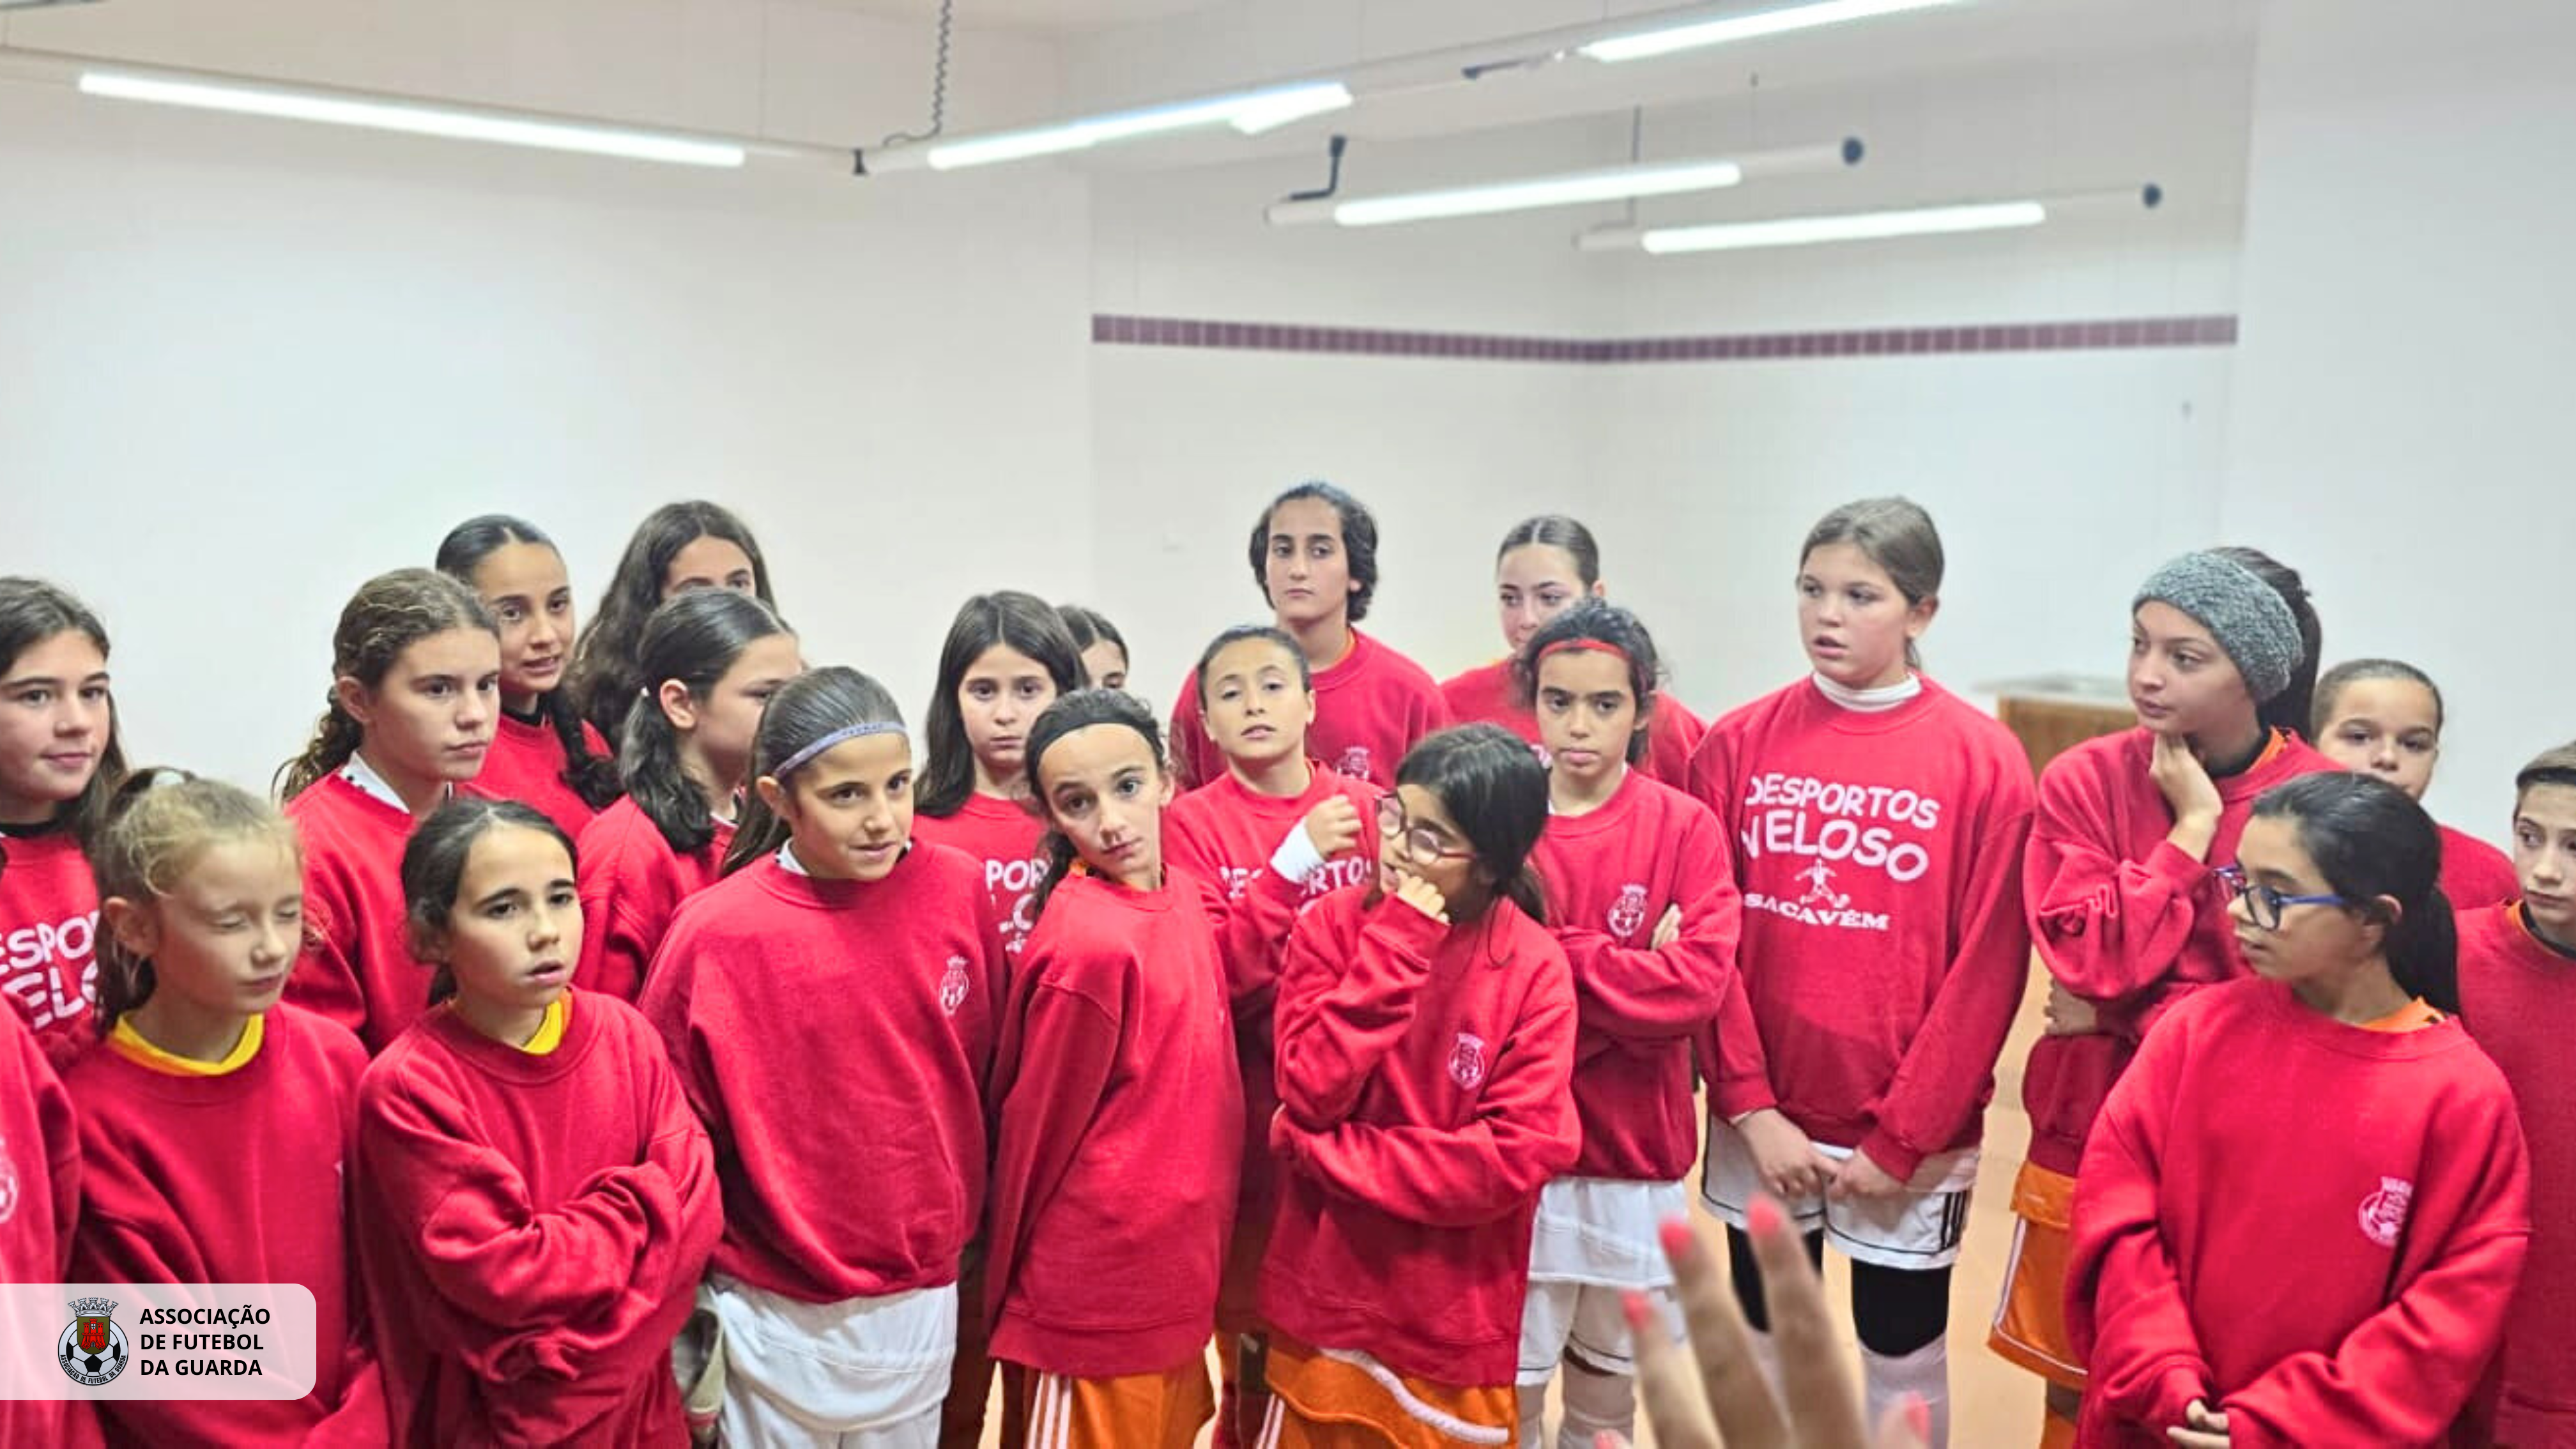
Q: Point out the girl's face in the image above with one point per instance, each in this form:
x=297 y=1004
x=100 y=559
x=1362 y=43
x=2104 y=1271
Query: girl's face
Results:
x=1420 y=839
x=1105 y=790
x=849 y=809
x=1256 y=704
x=1534 y=583
x=1853 y=621
x=2386 y=727
x=2180 y=681
x=2317 y=942
x=55 y=716
x=2544 y=858
x=525 y=587
x=1306 y=572
x=725 y=724
x=431 y=716
x=223 y=938
x=709 y=562
x=1106 y=664
x=1587 y=713
x=515 y=931
x=1003 y=693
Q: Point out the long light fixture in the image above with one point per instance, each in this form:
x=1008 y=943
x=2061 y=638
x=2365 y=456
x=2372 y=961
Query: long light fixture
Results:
x=1857 y=226
x=1249 y=112
x=1573 y=188
x=1645 y=44
x=466 y=123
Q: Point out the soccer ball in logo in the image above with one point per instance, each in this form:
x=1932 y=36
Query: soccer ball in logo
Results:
x=1628 y=913
x=92 y=1349
x=1467 y=1060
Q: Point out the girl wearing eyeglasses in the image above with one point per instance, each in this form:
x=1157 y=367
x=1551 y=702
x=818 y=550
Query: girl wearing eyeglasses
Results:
x=2117 y=885
x=1426 y=1053
x=2331 y=1113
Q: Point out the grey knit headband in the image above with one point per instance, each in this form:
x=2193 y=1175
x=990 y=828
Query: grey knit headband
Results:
x=2247 y=616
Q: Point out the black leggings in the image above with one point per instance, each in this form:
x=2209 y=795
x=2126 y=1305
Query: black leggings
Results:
x=1895 y=1310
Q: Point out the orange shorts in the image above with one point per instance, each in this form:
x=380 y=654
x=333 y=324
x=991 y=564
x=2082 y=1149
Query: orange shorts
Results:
x=1137 y=1411
x=1336 y=1401
x=2030 y=1322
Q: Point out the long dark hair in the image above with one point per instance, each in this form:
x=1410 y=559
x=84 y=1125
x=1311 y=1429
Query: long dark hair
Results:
x=158 y=824
x=1591 y=620
x=389 y=613
x=2369 y=840
x=1555 y=530
x=2289 y=710
x=31 y=612
x=1005 y=617
x=602 y=680
x=1089 y=627
x=1080 y=710
x=1496 y=790
x=467 y=545
x=694 y=639
x=814 y=704
x=1359 y=541
x=433 y=868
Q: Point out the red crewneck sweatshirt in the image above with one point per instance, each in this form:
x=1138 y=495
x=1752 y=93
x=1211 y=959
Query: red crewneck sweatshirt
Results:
x=2122 y=918
x=2476 y=874
x=527 y=762
x=2313 y=1227
x=1371 y=706
x=40 y=1186
x=49 y=940
x=356 y=968
x=1484 y=695
x=1610 y=876
x=632 y=884
x=1003 y=838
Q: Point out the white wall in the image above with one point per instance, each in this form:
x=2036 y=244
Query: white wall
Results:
x=2399 y=423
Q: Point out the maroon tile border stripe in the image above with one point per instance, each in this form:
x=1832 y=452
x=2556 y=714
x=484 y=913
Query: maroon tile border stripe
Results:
x=2087 y=336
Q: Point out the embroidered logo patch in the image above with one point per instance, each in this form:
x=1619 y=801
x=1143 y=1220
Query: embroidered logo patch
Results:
x=1354 y=762
x=2383 y=1213
x=1628 y=913
x=953 y=985
x=1467 y=1060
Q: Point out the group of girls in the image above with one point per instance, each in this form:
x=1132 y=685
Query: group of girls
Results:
x=632 y=1035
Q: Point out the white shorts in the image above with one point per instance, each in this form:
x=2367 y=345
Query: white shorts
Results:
x=864 y=1373
x=1594 y=1239
x=1920 y=1228
x=1584 y=1322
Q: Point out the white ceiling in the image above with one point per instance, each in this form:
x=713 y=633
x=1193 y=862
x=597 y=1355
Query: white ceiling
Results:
x=1041 y=15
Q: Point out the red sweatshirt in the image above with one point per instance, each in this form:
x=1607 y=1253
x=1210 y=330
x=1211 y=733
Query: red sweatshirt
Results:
x=2476 y=874
x=356 y=968
x=632 y=882
x=1118 y=1133
x=2121 y=918
x=1484 y=695
x=1222 y=832
x=870 y=1006
x=526 y=763
x=1884 y=953
x=2518 y=999
x=1003 y=838
x=533 y=1229
x=234 y=1179
x=40 y=1200
x=1370 y=707
x=49 y=940
x=1425 y=1082
x=2381 y=1169
x=1610 y=876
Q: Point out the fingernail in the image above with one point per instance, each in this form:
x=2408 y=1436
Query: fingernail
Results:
x=1606 y=1440
x=1918 y=1417
x=1677 y=1239
x=1635 y=1306
x=1762 y=1217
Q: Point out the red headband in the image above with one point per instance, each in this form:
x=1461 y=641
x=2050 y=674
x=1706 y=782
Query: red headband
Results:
x=1598 y=646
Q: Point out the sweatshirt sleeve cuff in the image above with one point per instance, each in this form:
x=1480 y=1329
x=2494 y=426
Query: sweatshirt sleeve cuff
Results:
x=2176 y=1385
x=2168 y=863
x=1296 y=858
x=1893 y=1157
x=1741 y=1099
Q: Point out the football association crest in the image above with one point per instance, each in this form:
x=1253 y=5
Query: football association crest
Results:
x=2383 y=1213
x=1467 y=1060
x=952 y=986
x=92 y=1349
x=1354 y=762
x=1628 y=913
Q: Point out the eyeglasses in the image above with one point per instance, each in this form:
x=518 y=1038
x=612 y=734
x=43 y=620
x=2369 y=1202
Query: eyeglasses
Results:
x=1421 y=842
x=2263 y=903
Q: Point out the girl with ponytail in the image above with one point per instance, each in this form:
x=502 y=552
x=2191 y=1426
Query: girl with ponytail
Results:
x=543 y=754
x=2329 y=1111
x=711 y=658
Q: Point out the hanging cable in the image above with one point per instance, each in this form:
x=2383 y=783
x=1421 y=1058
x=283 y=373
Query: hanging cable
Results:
x=938 y=86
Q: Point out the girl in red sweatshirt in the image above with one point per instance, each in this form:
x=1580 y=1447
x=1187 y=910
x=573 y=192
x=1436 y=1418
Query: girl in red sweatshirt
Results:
x=1426 y=1051
x=416 y=677
x=60 y=762
x=2127 y=919
x=678 y=549
x=2518 y=998
x=543 y=753
x=1274 y=812
x=1545 y=566
x=40 y=1181
x=715 y=657
x=845 y=969
x=2384 y=717
x=1879 y=822
x=1641 y=896
x=1314 y=554
x=2332 y=1114
x=535 y=1201
x=214 y=1121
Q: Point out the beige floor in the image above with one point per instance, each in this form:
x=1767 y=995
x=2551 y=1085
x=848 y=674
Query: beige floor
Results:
x=1993 y=1404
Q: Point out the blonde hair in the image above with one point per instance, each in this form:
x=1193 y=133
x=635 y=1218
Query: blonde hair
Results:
x=159 y=825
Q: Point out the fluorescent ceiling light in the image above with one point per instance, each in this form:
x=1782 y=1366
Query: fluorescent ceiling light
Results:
x=1728 y=29
x=1250 y=112
x=458 y=123
x=1863 y=225
x=1575 y=188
